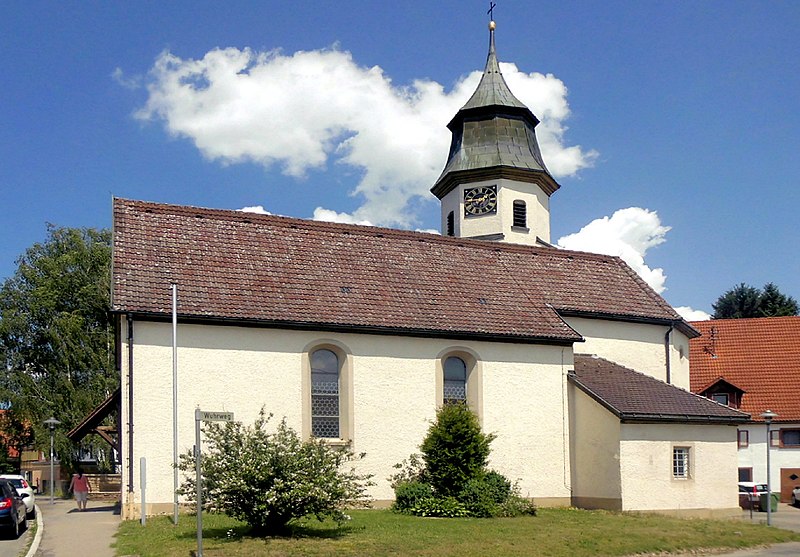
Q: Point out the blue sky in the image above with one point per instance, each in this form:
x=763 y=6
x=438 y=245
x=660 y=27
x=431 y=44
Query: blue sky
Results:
x=685 y=111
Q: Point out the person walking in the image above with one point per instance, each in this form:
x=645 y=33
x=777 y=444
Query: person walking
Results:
x=80 y=487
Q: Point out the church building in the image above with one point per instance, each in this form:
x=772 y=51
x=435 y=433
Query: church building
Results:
x=357 y=334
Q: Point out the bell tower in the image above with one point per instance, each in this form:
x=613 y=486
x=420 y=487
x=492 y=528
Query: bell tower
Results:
x=495 y=185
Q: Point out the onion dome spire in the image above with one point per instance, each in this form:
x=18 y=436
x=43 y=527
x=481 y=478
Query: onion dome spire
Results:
x=493 y=136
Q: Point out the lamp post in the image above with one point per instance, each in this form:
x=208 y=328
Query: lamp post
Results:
x=51 y=423
x=768 y=416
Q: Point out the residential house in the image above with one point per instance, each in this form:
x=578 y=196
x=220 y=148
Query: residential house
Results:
x=754 y=365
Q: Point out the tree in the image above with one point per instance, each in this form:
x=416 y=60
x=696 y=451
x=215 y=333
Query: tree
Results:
x=776 y=304
x=744 y=301
x=455 y=449
x=56 y=337
x=269 y=480
x=451 y=478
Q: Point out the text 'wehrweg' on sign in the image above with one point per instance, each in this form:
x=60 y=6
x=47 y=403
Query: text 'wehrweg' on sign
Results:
x=216 y=416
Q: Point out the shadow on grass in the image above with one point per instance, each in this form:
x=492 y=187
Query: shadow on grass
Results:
x=301 y=530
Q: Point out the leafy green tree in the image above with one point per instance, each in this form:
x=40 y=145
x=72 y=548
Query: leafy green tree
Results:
x=744 y=301
x=56 y=337
x=269 y=480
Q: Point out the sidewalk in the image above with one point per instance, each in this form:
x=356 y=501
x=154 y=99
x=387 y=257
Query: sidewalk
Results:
x=70 y=533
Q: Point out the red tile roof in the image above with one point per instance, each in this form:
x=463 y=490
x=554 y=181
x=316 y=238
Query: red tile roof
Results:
x=298 y=273
x=636 y=397
x=759 y=356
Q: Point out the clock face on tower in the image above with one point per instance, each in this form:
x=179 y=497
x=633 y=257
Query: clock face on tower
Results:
x=480 y=201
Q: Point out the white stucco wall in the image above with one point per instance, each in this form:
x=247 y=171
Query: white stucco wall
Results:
x=537 y=205
x=646 y=467
x=394 y=388
x=637 y=346
x=755 y=454
x=595 y=451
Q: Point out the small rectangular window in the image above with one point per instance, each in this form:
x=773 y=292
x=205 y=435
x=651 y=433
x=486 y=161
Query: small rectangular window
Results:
x=790 y=437
x=743 y=438
x=680 y=463
x=721 y=398
x=745 y=474
x=775 y=438
x=451 y=224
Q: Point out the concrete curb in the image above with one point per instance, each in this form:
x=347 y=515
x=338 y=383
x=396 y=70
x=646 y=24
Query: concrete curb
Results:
x=39 y=531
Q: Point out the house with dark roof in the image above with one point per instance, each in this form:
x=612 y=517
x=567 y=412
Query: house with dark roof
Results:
x=357 y=334
x=754 y=365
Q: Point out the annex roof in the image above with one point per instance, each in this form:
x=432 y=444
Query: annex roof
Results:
x=293 y=273
x=635 y=397
x=760 y=356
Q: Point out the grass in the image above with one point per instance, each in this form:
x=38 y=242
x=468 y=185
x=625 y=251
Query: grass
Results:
x=553 y=533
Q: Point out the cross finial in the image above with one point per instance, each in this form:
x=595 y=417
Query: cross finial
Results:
x=492 y=6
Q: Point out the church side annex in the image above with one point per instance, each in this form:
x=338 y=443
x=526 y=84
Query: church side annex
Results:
x=357 y=334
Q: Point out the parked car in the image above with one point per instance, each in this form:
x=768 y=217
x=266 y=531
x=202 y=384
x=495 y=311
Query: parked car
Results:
x=796 y=496
x=750 y=495
x=22 y=486
x=13 y=513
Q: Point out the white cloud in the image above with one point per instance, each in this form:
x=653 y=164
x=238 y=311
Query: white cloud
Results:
x=326 y=215
x=305 y=110
x=692 y=314
x=259 y=209
x=628 y=233
x=128 y=82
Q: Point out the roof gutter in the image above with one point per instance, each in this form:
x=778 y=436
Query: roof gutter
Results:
x=667 y=353
x=679 y=324
x=565 y=340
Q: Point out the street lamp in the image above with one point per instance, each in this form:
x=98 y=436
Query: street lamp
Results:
x=768 y=416
x=51 y=423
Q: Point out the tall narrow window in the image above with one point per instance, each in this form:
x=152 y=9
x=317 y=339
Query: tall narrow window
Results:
x=455 y=380
x=324 y=394
x=520 y=214
x=451 y=224
x=680 y=463
x=743 y=438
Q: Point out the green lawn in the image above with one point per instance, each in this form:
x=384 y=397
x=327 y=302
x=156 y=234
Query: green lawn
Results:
x=554 y=532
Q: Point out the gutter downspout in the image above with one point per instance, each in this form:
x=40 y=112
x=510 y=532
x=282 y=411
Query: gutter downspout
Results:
x=667 y=352
x=129 y=318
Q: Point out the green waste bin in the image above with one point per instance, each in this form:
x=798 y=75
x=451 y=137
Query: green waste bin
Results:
x=762 y=503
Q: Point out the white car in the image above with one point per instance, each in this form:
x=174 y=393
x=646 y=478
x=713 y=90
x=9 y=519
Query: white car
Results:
x=750 y=495
x=796 y=496
x=22 y=486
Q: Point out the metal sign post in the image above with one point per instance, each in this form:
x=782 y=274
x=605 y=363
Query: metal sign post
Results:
x=201 y=416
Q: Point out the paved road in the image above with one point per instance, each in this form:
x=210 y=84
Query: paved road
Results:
x=70 y=533
x=13 y=547
x=788 y=518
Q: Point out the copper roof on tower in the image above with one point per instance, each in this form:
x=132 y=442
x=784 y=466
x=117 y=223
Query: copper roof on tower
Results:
x=493 y=136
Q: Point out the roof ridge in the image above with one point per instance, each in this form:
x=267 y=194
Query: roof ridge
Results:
x=374 y=230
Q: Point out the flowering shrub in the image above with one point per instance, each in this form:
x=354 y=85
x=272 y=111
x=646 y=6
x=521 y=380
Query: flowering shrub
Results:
x=270 y=479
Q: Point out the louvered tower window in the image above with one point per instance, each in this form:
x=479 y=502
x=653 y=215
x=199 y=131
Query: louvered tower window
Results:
x=451 y=224
x=520 y=214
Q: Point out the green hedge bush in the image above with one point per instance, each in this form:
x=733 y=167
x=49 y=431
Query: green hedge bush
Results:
x=450 y=479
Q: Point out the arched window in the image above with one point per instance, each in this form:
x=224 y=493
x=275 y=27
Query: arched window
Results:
x=520 y=214
x=451 y=224
x=455 y=380
x=325 y=394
